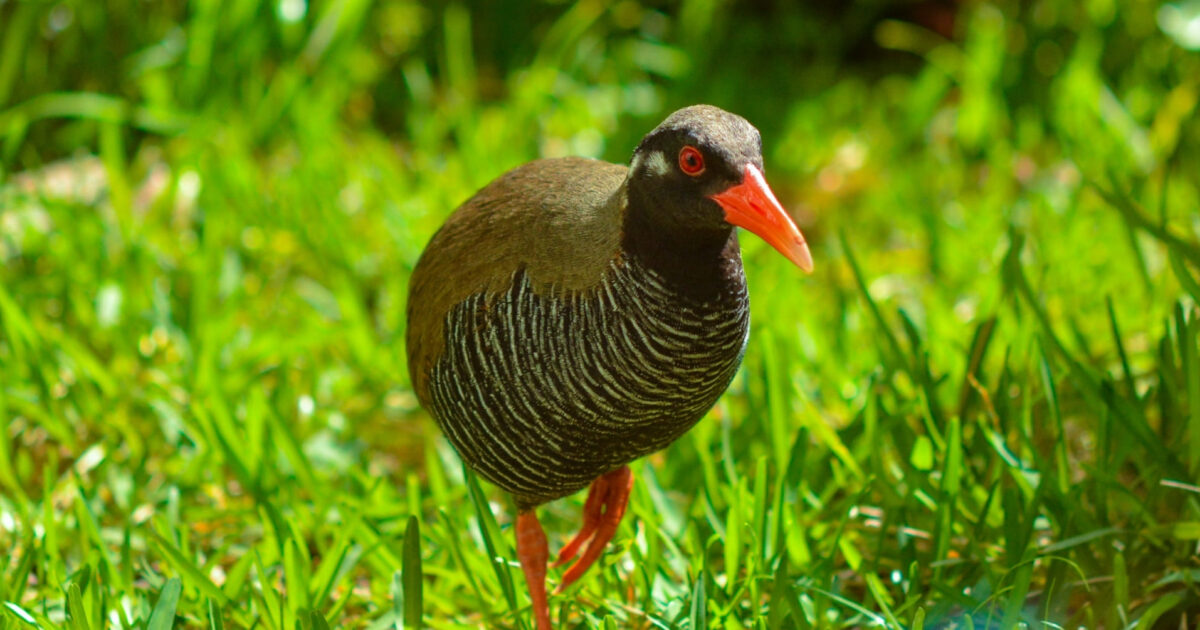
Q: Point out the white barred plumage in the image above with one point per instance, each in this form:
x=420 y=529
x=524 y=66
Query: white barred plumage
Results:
x=542 y=392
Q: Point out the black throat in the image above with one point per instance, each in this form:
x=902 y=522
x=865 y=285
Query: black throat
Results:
x=704 y=265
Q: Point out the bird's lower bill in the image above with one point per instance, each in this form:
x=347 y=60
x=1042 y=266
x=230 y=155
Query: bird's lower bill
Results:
x=752 y=205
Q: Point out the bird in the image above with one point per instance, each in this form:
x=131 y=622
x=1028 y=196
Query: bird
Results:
x=575 y=315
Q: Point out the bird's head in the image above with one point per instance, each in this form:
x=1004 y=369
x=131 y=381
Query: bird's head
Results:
x=702 y=169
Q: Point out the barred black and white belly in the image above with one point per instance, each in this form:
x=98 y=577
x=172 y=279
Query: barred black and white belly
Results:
x=541 y=393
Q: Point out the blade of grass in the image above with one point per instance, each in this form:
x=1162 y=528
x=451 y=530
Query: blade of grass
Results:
x=761 y=508
x=18 y=330
x=698 y=614
x=454 y=542
x=21 y=614
x=1157 y=609
x=1189 y=363
x=734 y=520
x=490 y=532
x=1120 y=593
x=338 y=607
x=22 y=22
x=54 y=566
x=1061 y=465
x=112 y=152
x=1185 y=277
x=980 y=340
x=882 y=599
x=379 y=553
x=284 y=435
x=20 y=574
x=951 y=484
x=75 y=612
x=91 y=530
x=163 y=615
x=236 y=578
x=1136 y=216
x=9 y=479
x=893 y=345
x=272 y=607
x=317 y=621
x=919 y=360
x=214 y=615
x=295 y=577
x=195 y=575
x=413 y=583
x=335 y=564
x=780 y=593
x=1119 y=345
x=849 y=604
x=778 y=398
x=398 y=603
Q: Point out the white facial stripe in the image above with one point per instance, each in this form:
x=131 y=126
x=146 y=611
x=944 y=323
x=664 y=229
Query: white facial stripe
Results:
x=656 y=163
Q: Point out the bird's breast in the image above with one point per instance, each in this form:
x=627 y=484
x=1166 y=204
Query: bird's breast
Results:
x=541 y=390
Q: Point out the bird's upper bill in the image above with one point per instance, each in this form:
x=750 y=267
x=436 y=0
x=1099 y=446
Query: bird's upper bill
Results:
x=753 y=206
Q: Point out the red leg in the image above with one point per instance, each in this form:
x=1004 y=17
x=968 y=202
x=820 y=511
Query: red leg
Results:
x=592 y=511
x=533 y=552
x=613 y=489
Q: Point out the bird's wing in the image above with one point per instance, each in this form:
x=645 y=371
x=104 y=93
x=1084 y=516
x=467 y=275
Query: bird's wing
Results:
x=559 y=220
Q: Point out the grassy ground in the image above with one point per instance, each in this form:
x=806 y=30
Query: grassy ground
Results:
x=982 y=410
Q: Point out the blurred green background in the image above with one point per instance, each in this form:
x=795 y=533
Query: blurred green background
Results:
x=982 y=410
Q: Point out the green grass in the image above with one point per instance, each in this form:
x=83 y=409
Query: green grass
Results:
x=982 y=410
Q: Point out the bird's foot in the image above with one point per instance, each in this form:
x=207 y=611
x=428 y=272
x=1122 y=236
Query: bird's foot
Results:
x=602 y=512
x=532 y=552
x=593 y=509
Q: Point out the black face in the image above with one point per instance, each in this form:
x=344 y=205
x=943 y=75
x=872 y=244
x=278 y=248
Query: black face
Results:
x=696 y=152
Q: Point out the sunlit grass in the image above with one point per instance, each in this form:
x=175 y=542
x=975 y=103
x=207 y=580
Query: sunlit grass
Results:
x=982 y=410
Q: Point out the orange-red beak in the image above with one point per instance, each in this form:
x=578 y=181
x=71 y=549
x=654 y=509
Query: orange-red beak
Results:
x=753 y=206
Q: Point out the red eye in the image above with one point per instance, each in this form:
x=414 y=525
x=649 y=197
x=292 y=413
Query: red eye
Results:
x=691 y=161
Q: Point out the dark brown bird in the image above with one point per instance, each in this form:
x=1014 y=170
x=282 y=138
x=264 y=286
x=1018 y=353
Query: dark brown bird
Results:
x=575 y=315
